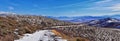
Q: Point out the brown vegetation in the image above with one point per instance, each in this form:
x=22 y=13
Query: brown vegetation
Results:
x=13 y=26
x=64 y=36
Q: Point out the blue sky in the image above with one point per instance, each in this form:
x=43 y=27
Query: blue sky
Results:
x=61 y=7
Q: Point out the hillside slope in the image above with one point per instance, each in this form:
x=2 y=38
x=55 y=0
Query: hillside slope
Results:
x=91 y=33
x=14 y=26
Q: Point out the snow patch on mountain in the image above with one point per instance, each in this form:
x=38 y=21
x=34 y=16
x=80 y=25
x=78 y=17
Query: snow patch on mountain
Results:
x=113 y=20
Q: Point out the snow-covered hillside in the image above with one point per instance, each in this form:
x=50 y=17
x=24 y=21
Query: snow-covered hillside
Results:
x=42 y=35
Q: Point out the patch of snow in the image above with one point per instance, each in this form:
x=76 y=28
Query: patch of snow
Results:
x=113 y=20
x=42 y=35
x=110 y=21
x=16 y=31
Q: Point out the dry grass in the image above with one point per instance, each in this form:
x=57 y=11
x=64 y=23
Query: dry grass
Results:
x=7 y=38
x=68 y=37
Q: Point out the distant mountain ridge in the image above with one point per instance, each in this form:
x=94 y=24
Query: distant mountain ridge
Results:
x=106 y=22
x=81 y=19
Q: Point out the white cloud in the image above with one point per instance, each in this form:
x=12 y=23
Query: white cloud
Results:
x=68 y=5
x=103 y=1
x=115 y=7
x=108 y=5
x=11 y=8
